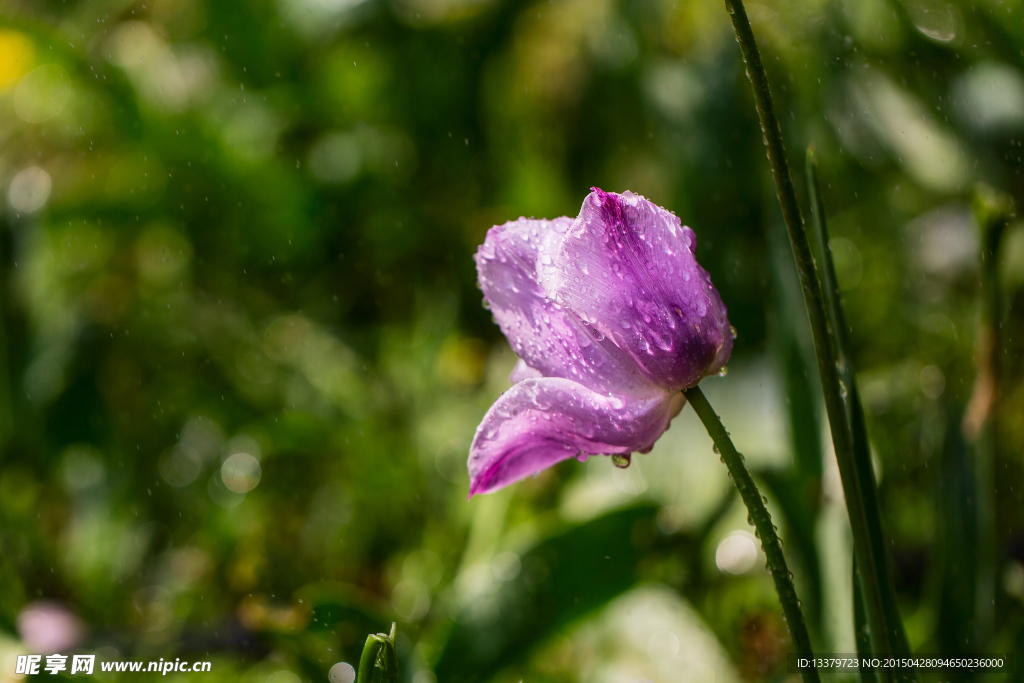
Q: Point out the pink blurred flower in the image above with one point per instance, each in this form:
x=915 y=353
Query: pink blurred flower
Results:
x=48 y=627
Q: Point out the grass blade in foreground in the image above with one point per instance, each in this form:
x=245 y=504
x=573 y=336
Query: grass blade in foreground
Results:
x=379 y=661
x=993 y=212
x=861 y=503
x=893 y=635
x=861 y=631
x=762 y=522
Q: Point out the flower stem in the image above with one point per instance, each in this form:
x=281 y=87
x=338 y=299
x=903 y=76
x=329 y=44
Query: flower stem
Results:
x=762 y=522
x=845 y=418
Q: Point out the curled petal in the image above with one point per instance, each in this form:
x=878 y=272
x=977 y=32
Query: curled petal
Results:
x=540 y=422
x=512 y=264
x=627 y=267
x=725 y=350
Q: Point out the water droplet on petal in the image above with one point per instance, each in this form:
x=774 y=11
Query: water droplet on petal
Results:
x=621 y=460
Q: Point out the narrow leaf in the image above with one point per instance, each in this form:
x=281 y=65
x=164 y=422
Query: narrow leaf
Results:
x=888 y=636
x=862 y=632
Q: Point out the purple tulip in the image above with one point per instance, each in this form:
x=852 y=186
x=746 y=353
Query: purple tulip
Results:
x=611 y=317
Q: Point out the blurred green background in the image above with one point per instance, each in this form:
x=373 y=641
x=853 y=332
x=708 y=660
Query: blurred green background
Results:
x=242 y=354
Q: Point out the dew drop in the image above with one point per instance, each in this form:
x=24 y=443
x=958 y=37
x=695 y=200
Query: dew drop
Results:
x=621 y=460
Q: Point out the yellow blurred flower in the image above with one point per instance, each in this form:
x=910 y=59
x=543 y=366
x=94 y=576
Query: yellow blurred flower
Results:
x=16 y=57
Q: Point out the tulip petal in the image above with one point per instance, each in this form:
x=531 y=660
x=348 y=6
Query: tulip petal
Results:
x=548 y=338
x=540 y=422
x=627 y=267
x=523 y=371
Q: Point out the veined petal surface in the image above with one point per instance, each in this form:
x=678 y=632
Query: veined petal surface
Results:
x=627 y=267
x=549 y=339
x=542 y=421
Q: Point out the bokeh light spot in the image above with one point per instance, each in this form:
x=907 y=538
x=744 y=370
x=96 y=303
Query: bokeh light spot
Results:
x=180 y=465
x=241 y=473
x=42 y=93
x=736 y=553
x=342 y=672
x=29 y=190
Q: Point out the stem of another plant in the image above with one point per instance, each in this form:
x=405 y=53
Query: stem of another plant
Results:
x=994 y=212
x=379 y=662
x=762 y=522
x=852 y=456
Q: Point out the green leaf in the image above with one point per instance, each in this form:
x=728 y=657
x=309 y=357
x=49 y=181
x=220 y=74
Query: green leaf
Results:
x=861 y=628
x=563 y=579
x=853 y=452
x=957 y=543
x=379 y=661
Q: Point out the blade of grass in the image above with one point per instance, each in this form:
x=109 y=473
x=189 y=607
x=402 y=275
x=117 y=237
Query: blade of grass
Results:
x=957 y=548
x=993 y=212
x=379 y=662
x=798 y=489
x=862 y=632
x=762 y=523
x=893 y=636
x=853 y=460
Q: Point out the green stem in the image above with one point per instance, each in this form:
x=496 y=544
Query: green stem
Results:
x=762 y=522
x=853 y=459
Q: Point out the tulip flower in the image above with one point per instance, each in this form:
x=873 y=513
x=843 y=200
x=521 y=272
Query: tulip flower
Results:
x=611 y=317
